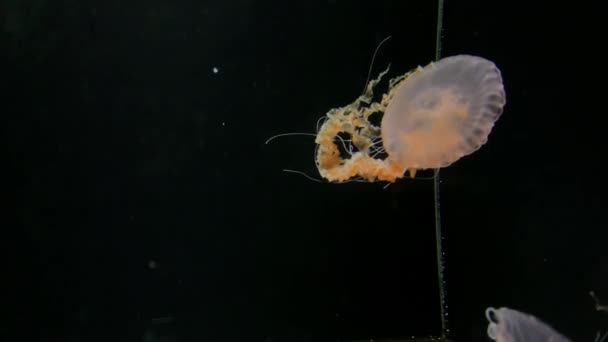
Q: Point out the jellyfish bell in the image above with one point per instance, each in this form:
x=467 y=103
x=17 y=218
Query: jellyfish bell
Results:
x=432 y=117
x=508 y=325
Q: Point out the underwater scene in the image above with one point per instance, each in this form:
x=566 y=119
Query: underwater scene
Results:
x=307 y=170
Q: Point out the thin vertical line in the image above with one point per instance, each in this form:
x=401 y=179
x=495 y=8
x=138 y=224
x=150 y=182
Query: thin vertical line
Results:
x=438 y=39
x=438 y=237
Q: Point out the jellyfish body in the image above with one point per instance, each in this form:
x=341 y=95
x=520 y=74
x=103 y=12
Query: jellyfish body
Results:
x=433 y=116
x=508 y=325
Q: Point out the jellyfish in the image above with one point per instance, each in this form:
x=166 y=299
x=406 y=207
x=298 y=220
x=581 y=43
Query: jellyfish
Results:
x=508 y=325
x=431 y=117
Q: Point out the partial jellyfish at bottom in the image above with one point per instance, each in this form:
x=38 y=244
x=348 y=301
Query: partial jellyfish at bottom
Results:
x=508 y=325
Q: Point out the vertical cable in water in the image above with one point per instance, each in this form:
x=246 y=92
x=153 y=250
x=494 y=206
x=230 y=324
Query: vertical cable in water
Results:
x=445 y=329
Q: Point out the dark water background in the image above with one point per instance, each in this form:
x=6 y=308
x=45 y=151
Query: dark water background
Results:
x=142 y=204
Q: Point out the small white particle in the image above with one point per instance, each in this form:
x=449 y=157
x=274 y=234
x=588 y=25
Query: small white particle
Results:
x=223 y=124
x=215 y=70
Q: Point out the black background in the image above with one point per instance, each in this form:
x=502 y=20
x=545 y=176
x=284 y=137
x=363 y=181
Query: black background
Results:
x=143 y=205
